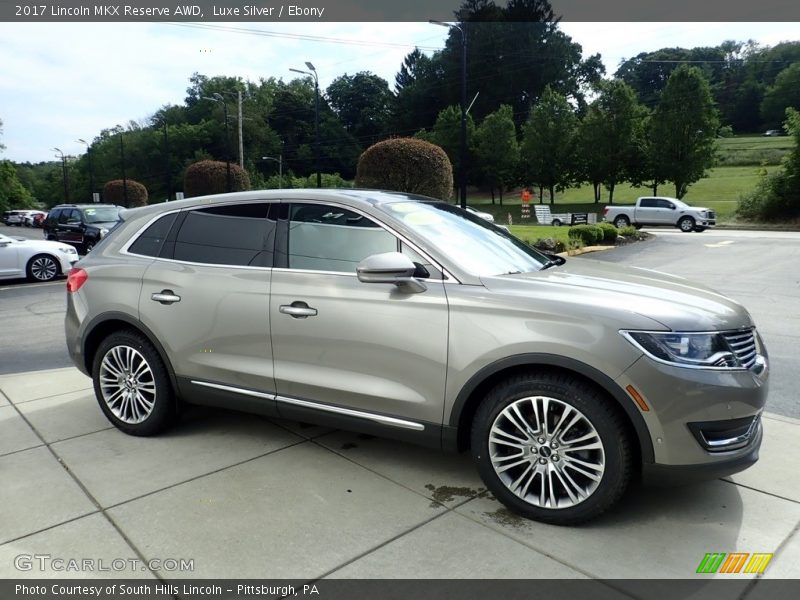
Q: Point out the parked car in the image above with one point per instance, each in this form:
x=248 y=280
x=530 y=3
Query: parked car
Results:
x=29 y=220
x=772 y=133
x=398 y=315
x=82 y=225
x=38 y=260
x=661 y=211
x=483 y=215
x=14 y=217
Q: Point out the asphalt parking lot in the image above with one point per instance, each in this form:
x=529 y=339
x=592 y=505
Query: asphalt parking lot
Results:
x=248 y=497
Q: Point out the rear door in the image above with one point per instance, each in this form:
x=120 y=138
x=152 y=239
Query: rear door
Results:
x=206 y=296
x=70 y=226
x=647 y=212
x=363 y=347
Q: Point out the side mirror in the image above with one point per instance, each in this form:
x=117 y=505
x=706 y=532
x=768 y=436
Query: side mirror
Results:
x=390 y=267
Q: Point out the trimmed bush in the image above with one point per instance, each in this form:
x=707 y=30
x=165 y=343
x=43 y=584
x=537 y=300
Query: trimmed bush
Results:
x=114 y=193
x=208 y=177
x=406 y=165
x=610 y=232
x=588 y=234
x=629 y=231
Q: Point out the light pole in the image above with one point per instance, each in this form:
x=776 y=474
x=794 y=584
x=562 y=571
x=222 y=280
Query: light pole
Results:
x=217 y=97
x=63 y=172
x=278 y=160
x=462 y=171
x=91 y=169
x=124 y=179
x=313 y=72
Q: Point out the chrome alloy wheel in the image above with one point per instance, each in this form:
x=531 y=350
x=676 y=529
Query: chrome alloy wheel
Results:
x=44 y=268
x=127 y=384
x=546 y=452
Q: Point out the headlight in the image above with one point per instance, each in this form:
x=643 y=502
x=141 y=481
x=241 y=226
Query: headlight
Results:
x=704 y=350
x=69 y=250
x=103 y=232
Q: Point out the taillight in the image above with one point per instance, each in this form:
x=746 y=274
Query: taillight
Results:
x=605 y=211
x=76 y=278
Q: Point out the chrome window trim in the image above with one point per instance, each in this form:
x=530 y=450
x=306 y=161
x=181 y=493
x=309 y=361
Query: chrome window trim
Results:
x=339 y=410
x=125 y=250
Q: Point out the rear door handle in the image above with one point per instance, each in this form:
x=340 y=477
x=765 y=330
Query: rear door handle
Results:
x=165 y=297
x=298 y=310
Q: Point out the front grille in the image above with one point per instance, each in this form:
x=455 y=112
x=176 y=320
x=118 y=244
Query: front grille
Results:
x=743 y=344
x=712 y=214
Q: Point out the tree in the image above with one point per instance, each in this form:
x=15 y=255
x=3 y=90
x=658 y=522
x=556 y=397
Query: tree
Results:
x=363 y=104
x=684 y=129
x=497 y=149
x=547 y=154
x=447 y=134
x=12 y=193
x=784 y=94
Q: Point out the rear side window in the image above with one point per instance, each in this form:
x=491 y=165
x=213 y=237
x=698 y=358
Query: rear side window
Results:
x=151 y=241
x=234 y=234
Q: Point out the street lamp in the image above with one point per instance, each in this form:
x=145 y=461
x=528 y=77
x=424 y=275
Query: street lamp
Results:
x=63 y=172
x=313 y=72
x=217 y=97
x=278 y=160
x=462 y=171
x=91 y=169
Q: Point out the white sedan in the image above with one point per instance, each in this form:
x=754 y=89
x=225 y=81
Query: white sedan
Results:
x=38 y=260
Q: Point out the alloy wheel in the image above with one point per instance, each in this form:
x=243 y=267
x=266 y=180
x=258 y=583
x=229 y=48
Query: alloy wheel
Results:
x=44 y=268
x=127 y=384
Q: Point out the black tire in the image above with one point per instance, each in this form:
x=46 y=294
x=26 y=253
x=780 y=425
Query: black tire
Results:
x=597 y=416
x=122 y=411
x=42 y=267
x=686 y=224
x=621 y=221
x=88 y=246
x=556 y=223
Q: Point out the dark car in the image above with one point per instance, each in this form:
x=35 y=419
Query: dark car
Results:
x=82 y=225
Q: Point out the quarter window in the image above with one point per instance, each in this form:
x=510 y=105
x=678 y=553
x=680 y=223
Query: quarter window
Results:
x=232 y=234
x=329 y=238
x=151 y=241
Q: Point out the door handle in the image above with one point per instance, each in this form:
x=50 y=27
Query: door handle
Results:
x=298 y=310
x=165 y=297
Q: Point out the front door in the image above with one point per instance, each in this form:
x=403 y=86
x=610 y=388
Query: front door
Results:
x=367 y=348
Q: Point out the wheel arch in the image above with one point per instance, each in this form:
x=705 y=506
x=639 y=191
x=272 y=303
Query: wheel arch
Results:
x=473 y=392
x=104 y=325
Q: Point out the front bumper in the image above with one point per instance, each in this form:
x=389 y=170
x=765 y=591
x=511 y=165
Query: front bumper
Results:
x=702 y=423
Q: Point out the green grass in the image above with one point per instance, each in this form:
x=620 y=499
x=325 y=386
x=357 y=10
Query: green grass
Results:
x=531 y=233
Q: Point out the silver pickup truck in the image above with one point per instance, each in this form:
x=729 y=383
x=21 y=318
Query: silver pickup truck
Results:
x=658 y=210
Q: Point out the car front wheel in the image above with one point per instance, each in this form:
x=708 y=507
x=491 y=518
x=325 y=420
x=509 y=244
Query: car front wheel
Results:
x=686 y=224
x=552 y=448
x=132 y=385
x=42 y=267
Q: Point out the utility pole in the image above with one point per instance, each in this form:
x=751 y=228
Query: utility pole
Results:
x=91 y=169
x=124 y=179
x=63 y=173
x=241 y=142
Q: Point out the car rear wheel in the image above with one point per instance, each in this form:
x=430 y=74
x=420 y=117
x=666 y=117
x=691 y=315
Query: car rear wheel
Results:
x=132 y=385
x=552 y=448
x=686 y=224
x=556 y=223
x=42 y=267
x=621 y=221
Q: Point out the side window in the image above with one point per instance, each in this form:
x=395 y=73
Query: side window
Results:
x=74 y=217
x=329 y=238
x=648 y=203
x=425 y=270
x=665 y=204
x=63 y=215
x=232 y=234
x=151 y=241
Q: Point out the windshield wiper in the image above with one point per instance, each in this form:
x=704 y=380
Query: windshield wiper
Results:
x=553 y=261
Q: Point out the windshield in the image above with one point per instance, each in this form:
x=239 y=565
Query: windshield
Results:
x=476 y=245
x=106 y=214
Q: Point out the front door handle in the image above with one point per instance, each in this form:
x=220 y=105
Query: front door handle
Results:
x=298 y=310
x=165 y=297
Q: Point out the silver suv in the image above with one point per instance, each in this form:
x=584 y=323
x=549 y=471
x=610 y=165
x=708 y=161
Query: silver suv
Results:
x=400 y=316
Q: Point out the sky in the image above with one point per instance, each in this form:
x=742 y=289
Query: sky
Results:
x=60 y=82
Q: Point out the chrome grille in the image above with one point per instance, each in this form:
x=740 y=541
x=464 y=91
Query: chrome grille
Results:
x=743 y=344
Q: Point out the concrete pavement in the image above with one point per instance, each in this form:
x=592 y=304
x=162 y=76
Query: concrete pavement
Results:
x=247 y=497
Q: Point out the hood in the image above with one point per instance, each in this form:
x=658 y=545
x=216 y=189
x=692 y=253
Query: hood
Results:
x=675 y=302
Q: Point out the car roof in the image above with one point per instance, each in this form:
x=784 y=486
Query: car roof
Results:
x=355 y=197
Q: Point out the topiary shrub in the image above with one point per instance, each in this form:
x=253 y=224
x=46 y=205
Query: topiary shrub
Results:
x=588 y=234
x=406 y=165
x=629 y=231
x=610 y=232
x=114 y=193
x=208 y=177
